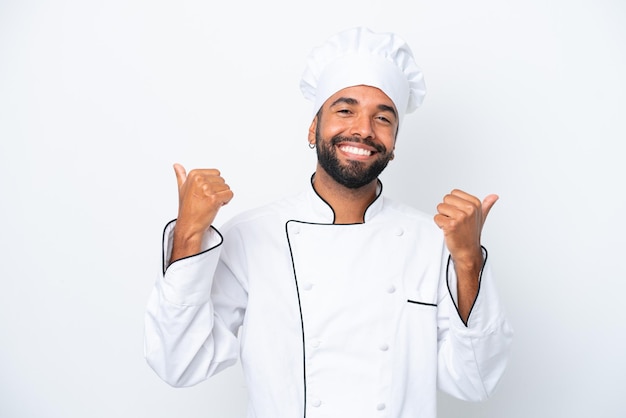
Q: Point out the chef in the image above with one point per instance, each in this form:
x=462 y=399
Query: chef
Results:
x=339 y=302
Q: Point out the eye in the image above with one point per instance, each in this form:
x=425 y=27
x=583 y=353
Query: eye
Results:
x=384 y=119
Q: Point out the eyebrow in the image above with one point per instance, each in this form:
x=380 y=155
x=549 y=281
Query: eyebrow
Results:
x=346 y=100
x=352 y=101
x=388 y=109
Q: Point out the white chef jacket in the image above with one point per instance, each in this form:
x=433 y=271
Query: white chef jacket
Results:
x=328 y=320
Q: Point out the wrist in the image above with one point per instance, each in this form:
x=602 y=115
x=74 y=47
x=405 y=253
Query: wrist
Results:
x=186 y=243
x=469 y=262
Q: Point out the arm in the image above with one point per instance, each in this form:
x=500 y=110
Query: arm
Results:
x=461 y=216
x=471 y=357
x=196 y=306
x=472 y=354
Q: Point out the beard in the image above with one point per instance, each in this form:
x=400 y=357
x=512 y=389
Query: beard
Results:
x=353 y=174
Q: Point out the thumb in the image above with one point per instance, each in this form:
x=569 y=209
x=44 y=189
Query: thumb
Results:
x=181 y=175
x=488 y=203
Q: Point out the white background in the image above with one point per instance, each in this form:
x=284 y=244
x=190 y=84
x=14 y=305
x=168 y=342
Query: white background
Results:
x=98 y=99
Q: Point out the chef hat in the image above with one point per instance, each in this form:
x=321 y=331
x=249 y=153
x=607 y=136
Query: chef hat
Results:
x=360 y=56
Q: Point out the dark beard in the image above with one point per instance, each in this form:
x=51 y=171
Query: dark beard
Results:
x=355 y=174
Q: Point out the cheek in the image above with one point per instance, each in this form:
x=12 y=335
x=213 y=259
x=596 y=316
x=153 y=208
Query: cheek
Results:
x=330 y=130
x=388 y=138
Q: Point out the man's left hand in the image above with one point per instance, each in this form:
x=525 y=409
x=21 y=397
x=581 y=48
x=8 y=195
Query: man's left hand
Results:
x=461 y=216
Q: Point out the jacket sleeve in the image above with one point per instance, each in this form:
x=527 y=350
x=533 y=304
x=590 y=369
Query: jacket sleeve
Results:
x=193 y=315
x=472 y=357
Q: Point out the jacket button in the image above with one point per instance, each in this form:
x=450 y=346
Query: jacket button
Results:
x=383 y=347
x=398 y=231
x=381 y=406
x=316 y=403
x=307 y=286
x=391 y=289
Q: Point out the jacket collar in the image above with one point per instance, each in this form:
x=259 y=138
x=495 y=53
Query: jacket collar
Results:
x=323 y=213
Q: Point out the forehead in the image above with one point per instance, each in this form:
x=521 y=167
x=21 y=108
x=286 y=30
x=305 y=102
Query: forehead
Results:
x=362 y=95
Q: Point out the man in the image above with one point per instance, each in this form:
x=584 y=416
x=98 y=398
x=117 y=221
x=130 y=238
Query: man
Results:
x=338 y=302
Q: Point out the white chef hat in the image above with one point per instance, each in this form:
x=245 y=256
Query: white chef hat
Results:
x=359 y=56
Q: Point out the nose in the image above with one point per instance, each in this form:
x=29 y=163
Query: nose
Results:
x=362 y=127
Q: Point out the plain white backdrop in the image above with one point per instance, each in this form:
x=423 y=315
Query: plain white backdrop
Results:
x=98 y=100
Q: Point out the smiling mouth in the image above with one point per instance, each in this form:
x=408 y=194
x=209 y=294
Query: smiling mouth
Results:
x=350 y=149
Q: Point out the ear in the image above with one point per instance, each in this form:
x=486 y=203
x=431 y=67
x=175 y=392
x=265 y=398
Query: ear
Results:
x=313 y=130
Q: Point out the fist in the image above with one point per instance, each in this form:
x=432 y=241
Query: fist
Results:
x=201 y=194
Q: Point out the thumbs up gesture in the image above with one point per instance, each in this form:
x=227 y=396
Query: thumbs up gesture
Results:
x=201 y=194
x=461 y=216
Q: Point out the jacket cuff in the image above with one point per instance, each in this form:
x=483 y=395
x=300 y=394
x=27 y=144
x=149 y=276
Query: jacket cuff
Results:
x=188 y=281
x=485 y=308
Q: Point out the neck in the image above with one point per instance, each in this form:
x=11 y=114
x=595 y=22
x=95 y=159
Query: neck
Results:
x=349 y=205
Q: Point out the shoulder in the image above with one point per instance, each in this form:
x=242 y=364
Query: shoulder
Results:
x=409 y=213
x=270 y=214
x=416 y=223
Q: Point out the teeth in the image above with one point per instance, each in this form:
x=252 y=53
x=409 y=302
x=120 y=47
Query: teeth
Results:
x=355 y=150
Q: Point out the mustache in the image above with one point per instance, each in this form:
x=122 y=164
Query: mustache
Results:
x=355 y=139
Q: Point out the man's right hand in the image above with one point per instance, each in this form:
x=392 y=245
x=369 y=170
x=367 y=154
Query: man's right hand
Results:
x=201 y=194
